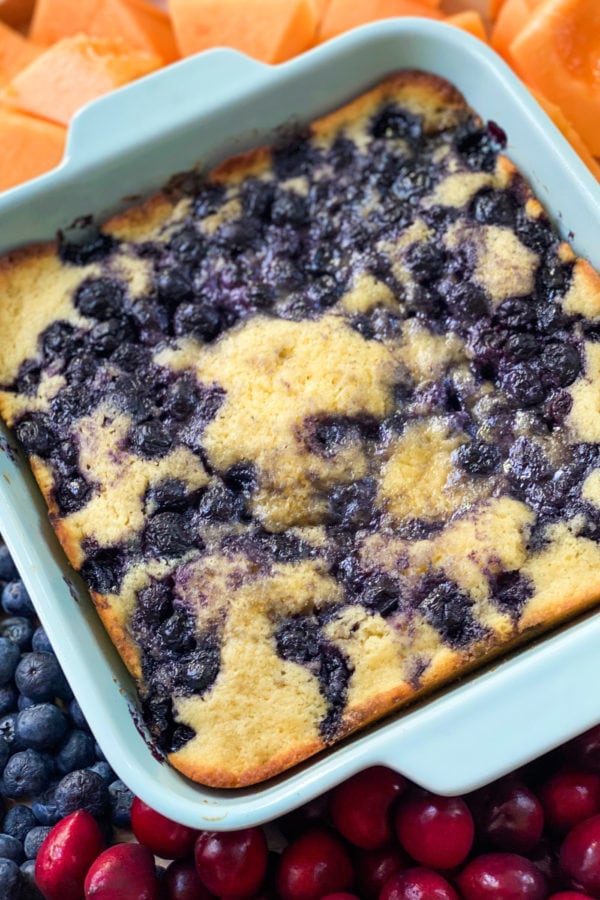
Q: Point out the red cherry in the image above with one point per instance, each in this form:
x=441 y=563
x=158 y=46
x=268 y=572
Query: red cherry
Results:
x=436 y=831
x=545 y=858
x=181 y=882
x=511 y=817
x=360 y=807
x=314 y=865
x=374 y=867
x=580 y=856
x=570 y=895
x=310 y=814
x=584 y=750
x=161 y=835
x=233 y=863
x=340 y=896
x=66 y=854
x=501 y=876
x=124 y=870
x=570 y=797
x=418 y=884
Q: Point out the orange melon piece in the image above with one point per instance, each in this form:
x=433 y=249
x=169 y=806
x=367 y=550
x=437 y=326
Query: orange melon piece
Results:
x=513 y=16
x=29 y=147
x=342 y=15
x=565 y=127
x=558 y=54
x=16 y=13
x=140 y=24
x=268 y=30
x=16 y=52
x=494 y=7
x=470 y=20
x=73 y=72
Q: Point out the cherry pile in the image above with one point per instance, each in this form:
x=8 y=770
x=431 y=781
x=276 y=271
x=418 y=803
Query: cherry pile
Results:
x=532 y=835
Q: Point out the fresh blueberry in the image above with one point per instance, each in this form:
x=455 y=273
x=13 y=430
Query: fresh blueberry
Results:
x=11 y=848
x=8 y=724
x=40 y=642
x=8 y=698
x=75 y=752
x=18 y=821
x=25 y=774
x=35 y=839
x=105 y=772
x=120 y=799
x=39 y=676
x=41 y=727
x=98 y=752
x=4 y=751
x=19 y=630
x=29 y=889
x=45 y=809
x=16 y=601
x=77 y=716
x=11 y=880
x=8 y=570
x=25 y=702
x=81 y=789
x=9 y=660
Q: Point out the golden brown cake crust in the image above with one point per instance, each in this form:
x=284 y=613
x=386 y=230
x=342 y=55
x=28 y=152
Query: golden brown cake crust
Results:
x=321 y=433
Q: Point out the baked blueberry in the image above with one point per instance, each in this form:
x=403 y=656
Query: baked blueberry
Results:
x=169 y=534
x=151 y=439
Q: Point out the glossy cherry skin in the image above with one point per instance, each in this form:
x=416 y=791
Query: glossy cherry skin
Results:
x=418 y=884
x=232 y=863
x=435 y=831
x=341 y=895
x=314 y=865
x=501 y=876
x=570 y=797
x=511 y=818
x=161 y=835
x=311 y=814
x=580 y=856
x=66 y=855
x=584 y=750
x=360 y=807
x=374 y=867
x=570 y=895
x=124 y=870
x=182 y=882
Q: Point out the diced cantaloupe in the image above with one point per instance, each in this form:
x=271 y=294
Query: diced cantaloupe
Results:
x=558 y=54
x=29 y=147
x=513 y=16
x=16 y=52
x=71 y=73
x=268 y=30
x=470 y=20
x=16 y=13
x=494 y=7
x=139 y=23
x=341 y=15
x=567 y=129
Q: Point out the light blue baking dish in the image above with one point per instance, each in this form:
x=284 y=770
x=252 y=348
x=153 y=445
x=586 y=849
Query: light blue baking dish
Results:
x=132 y=142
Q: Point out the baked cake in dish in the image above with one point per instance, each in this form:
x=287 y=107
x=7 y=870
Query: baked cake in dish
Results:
x=319 y=430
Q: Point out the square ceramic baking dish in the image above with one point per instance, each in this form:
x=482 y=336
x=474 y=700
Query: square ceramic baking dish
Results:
x=129 y=144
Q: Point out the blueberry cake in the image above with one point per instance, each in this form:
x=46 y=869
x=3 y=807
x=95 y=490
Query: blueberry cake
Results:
x=320 y=429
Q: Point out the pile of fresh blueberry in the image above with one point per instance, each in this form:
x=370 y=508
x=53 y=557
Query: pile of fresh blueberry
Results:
x=71 y=830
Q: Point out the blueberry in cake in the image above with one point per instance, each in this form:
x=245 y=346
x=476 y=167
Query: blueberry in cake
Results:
x=320 y=430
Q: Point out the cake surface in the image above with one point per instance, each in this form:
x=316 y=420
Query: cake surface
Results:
x=320 y=430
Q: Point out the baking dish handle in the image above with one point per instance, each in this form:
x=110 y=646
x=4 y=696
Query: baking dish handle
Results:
x=131 y=117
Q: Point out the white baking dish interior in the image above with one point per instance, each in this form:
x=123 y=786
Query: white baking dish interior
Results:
x=130 y=143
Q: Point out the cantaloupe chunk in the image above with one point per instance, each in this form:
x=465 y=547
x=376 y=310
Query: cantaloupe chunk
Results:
x=567 y=129
x=73 y=72
x=140 y=24
x=470 y=20
x=16 y=13
x=29 y=147
x=16 y=52
x=342 y=15
x=513 y=16
x=269 y=30
x=558 y=54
